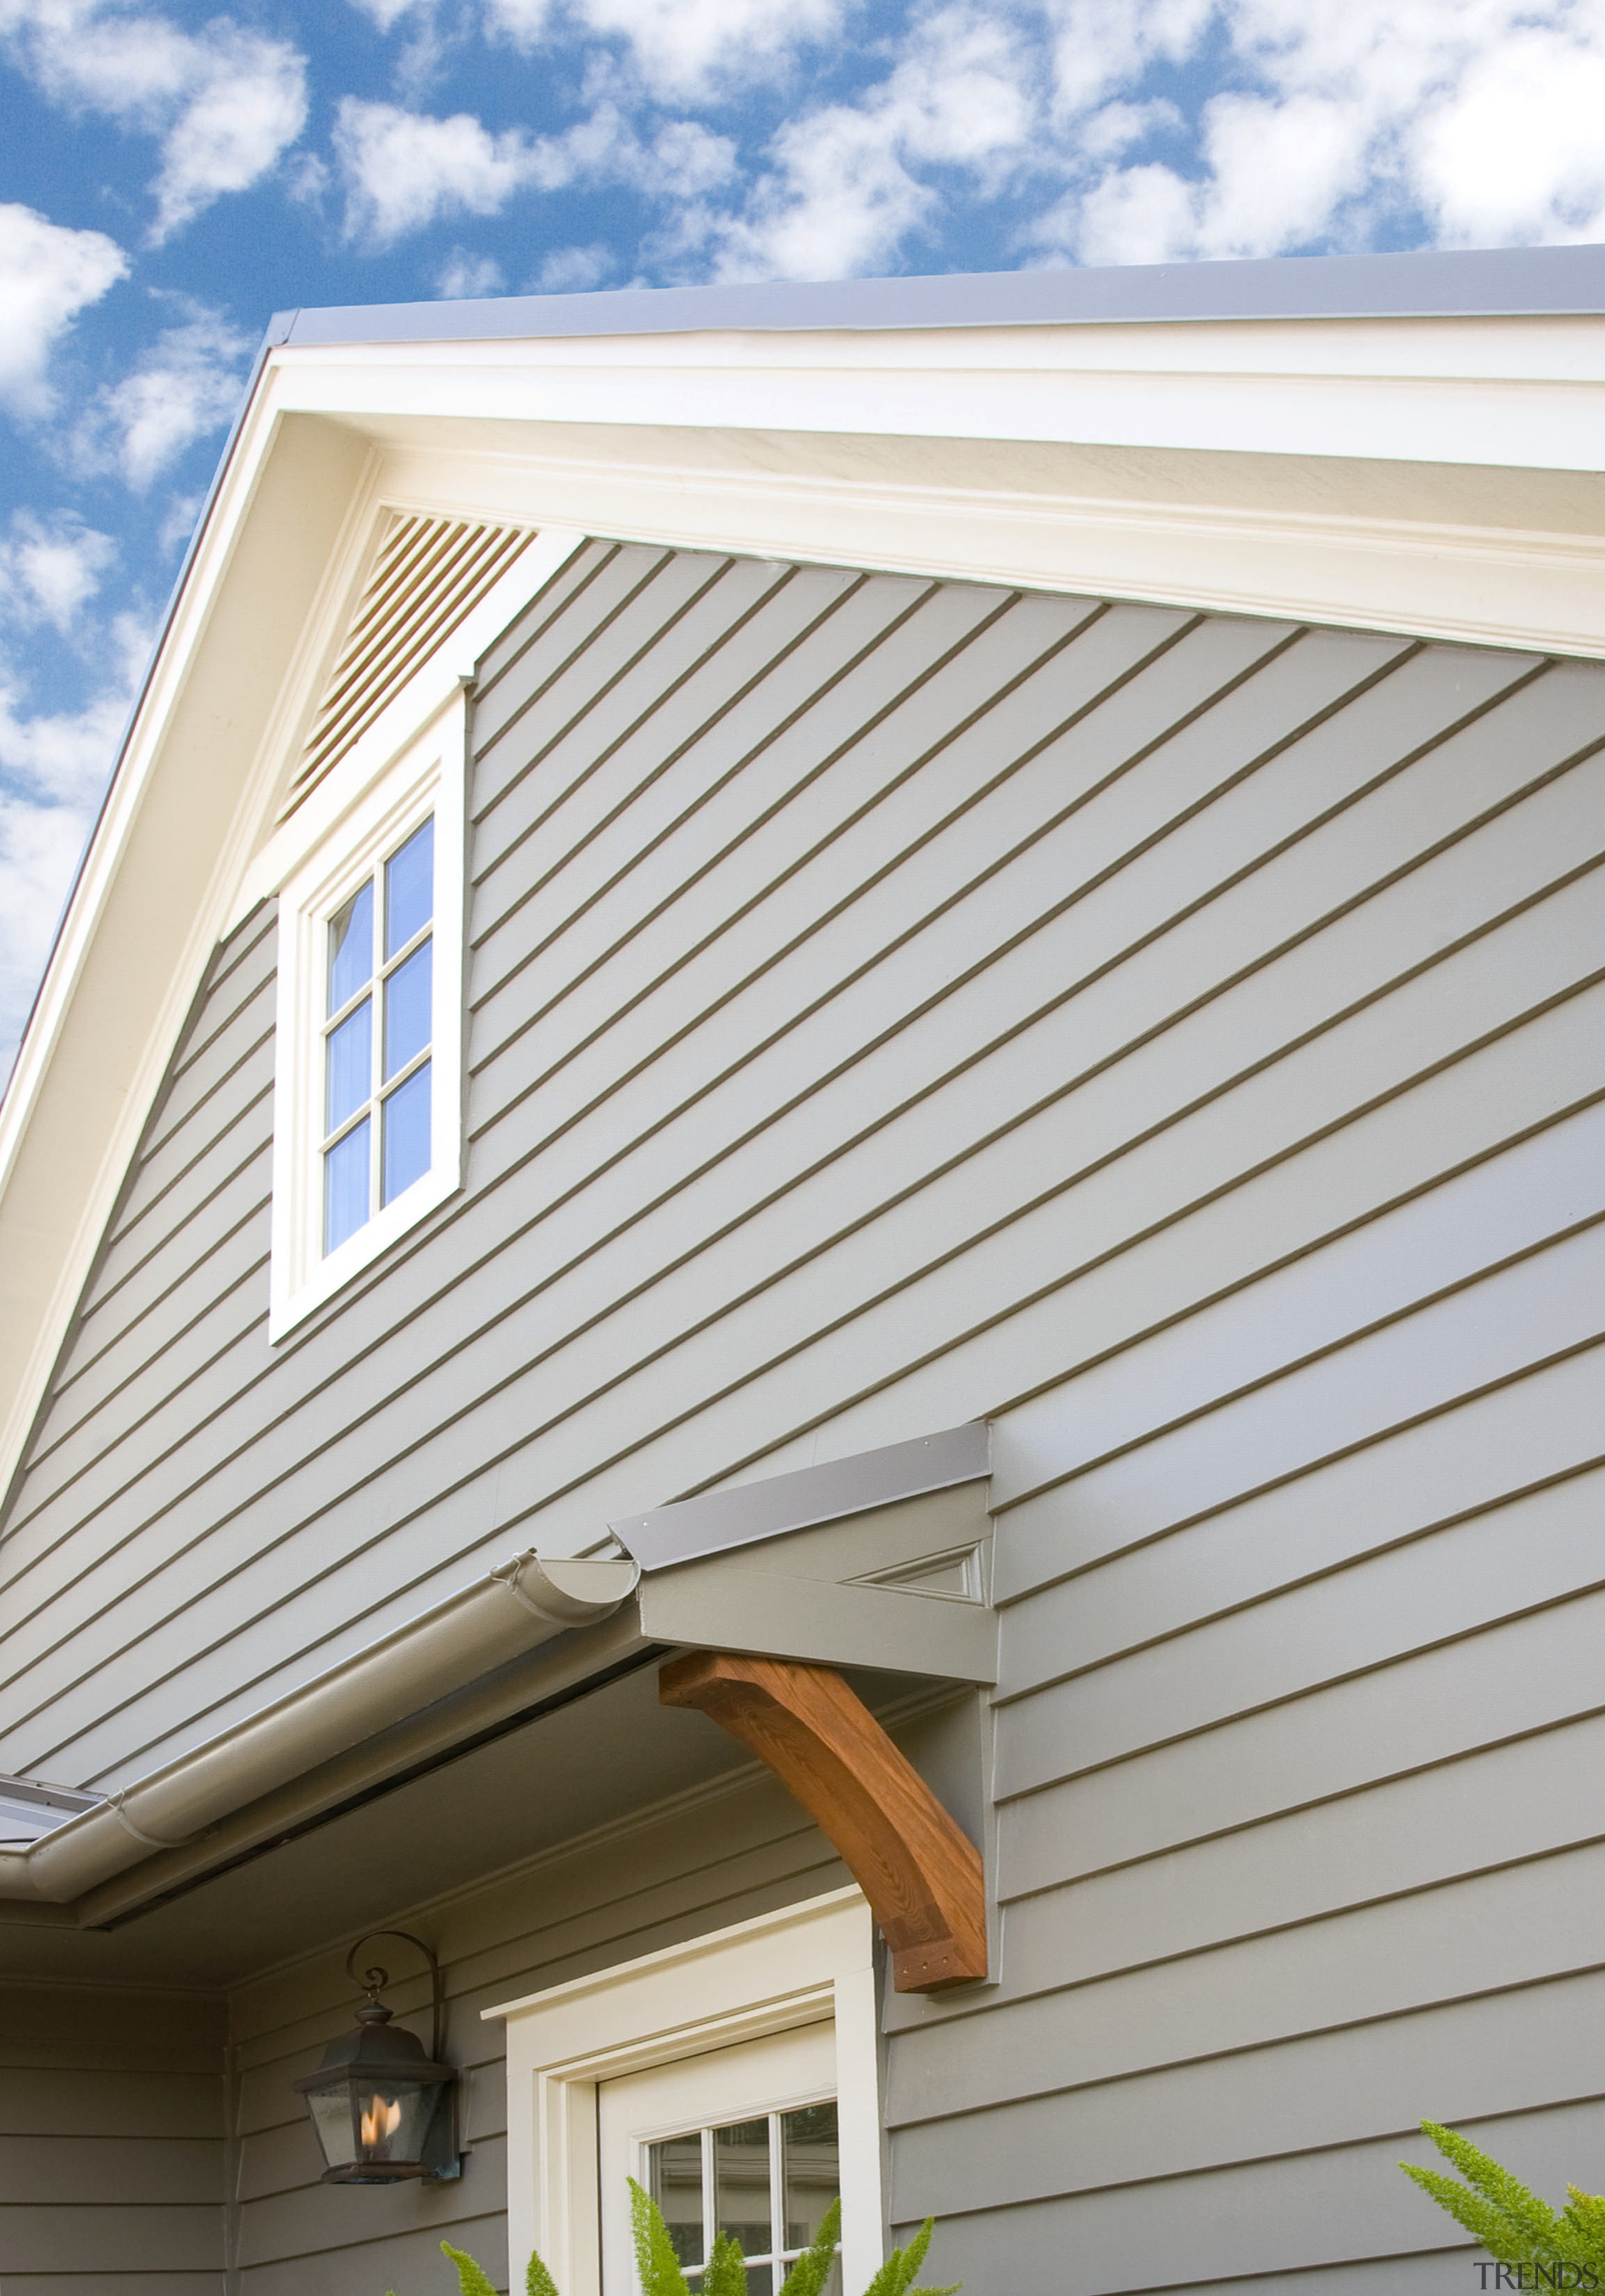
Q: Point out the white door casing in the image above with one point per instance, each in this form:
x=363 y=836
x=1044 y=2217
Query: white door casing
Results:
x=809 y=1964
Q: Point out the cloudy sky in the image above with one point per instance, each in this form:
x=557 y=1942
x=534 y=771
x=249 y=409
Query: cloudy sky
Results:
x=171 y=176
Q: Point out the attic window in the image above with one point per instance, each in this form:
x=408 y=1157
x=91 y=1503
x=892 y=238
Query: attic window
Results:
x=429 y=575
x=367 y=1086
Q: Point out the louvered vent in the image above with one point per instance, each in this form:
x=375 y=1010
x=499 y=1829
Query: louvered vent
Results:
x=428 y=578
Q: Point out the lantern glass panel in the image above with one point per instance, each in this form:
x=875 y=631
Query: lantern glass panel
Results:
x=332 y=2118
x=392 y=2120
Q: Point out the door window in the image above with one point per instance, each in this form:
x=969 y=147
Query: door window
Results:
x=741 y=2140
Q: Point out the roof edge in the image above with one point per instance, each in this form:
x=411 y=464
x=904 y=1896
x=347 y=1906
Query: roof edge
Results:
x=1478 y=282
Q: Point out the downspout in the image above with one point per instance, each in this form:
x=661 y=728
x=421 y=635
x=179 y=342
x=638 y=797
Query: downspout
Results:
x=522 y=1603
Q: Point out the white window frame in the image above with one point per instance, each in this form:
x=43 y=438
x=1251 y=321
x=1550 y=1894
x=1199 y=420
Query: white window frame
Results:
x=427 y=778
x=800 y=1966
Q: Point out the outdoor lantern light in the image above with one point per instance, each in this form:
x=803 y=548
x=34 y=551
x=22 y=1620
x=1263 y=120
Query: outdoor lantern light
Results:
x=384 y=2110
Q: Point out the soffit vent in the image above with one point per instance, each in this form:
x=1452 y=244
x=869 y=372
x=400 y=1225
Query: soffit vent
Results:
x=426 y=581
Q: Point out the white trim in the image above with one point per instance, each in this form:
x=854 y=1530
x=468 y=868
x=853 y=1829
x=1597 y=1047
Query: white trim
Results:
x=426 y=780
x=783 y=1970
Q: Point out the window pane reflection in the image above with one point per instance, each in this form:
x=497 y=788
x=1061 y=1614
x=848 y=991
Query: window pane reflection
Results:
x=409 y=889
x=407 y=1009
x=811 y=2167
x=346 y=1187
x=350 y=948
x=741 y=2182
x=676 y=2187
x=406 y=1133
x=350 y=1066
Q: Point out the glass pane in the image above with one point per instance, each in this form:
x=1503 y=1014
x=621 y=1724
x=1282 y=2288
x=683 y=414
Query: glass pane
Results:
x=346 y=1187
x=335 y=2123
x=350 y=948
x=349 y=1066
x=761 y=2280
x=407 y=1009
x=677 y=2187
x=812 y=2156
x=409 y=889
x=740 y=2185
x=393 y=2123
x=406 y=1133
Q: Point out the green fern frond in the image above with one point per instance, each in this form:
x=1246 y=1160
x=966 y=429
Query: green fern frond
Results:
x=659 y=2266
x=898 y=2274
x=1585 y=2214
x=1524 y=2211
x=1511 y=2223
x=1478 y=2216
x=726 y=2274
x=811 y=2269
x=471 y=2280
x=538 y=2280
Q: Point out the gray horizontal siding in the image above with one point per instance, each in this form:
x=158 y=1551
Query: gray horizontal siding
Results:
x=1176 y=1037
x=111 y=2142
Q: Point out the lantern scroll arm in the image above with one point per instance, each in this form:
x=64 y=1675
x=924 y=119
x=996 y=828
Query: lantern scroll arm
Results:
x=373 y=1980
x=920 y=1873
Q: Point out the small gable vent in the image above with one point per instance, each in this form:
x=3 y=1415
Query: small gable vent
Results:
x=428 y=576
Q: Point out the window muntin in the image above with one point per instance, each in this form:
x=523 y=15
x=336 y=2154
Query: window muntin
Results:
x=768 y=2180
x=378 y=1033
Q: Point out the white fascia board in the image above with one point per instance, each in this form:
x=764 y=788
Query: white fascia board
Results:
x=1499 y=393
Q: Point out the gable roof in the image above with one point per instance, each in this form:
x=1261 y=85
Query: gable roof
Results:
x=1407 y=442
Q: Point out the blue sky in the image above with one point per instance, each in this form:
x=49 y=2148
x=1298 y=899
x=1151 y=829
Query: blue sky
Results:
x=173 y=175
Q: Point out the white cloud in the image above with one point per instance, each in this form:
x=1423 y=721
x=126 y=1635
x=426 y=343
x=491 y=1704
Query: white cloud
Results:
x=1518 y=151
x=385 y=13
x=53 y=770
x=403 y=168
x=463 y=274
x=844 y=191
x=681 y=46
x=178 y=523
x=187 y=385
x=50 y=568
x=1480 y=116
x=571 y=270
x=225 y=101
x=48 y=276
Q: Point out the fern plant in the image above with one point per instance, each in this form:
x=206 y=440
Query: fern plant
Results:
x=725 y=2273
x=1513 y=2225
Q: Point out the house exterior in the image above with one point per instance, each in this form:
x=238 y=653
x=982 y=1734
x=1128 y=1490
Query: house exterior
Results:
x=801 y=1245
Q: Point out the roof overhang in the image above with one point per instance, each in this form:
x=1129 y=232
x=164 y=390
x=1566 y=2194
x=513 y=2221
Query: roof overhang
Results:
x=1408 y=443
x=878 y=1564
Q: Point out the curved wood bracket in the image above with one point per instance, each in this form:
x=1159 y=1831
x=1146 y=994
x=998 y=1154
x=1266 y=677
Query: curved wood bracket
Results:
x=921 y=1875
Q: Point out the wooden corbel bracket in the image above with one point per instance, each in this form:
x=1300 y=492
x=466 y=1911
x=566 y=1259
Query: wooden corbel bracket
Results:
x=920 y=1873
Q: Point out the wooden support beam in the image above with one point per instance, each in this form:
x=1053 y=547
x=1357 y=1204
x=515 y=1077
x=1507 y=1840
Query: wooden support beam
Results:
x=921 y=1875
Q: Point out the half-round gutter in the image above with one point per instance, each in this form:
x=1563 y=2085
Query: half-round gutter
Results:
x=521 y=1604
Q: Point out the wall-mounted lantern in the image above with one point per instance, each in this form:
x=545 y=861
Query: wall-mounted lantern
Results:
x=384 y=2110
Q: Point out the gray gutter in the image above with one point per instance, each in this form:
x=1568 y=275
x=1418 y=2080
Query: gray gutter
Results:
x=521 y=1604
x=1488 y=283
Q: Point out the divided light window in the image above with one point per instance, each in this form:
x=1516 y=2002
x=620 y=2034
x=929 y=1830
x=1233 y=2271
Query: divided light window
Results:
x=768 y=2181
x=378 y=1033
